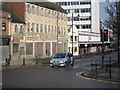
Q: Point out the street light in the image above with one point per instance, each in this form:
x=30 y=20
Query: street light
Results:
x=57 y=33
x=72 y=32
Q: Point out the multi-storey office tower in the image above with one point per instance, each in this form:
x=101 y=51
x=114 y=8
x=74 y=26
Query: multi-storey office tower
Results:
x=84 y=16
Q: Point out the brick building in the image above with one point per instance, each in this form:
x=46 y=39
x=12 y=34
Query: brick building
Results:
x=45 y=31
x=12 y=30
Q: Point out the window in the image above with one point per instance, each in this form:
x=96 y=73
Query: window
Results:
x=85 y=26
x=28 y=27
x=58 y=30
x=72 y=3
x=69 y=49
x=68 y=3
x=49 y=28
x=69 y=19
x=45 y=28
x=32 y=27
x=46 y=12
x=53 y=14
x=49 y=13
x=65 y=3
x=71 y=38
x=75 y=50
x=75 y=38
x=37 y=28
x=65 y=47
x=85 y=10
x=28 y=8
x=83 y=3
x=68 y=11
x=61 y=16
x=76 y=18
x=3 y=26
x=76 y=10
x=52 y=29
x=85 y=18
x=21 y=28
x=16 y=28
x=77 y=26
x=41 y=28
x=77 y=3
x=64 y=31
x=37 y=10
x=42 y=11
x=33 y=9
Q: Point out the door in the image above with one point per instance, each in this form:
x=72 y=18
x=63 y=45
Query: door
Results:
x=15 y=51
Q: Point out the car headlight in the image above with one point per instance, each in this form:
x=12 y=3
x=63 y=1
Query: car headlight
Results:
x=51 y=61
x=61 y=61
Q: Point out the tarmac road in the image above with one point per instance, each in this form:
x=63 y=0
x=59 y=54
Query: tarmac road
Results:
x=43 y=76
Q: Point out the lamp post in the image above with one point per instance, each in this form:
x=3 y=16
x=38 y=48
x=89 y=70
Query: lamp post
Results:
x=10 y=47
x=72 y=32
x=57 y=33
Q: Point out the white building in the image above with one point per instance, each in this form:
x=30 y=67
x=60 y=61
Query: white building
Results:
x=86 y=26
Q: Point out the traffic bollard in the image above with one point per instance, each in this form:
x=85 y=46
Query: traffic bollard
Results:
x=6 y=63
x=23 y=61
x=102 y=61
x=110 y=68
x=36 y=61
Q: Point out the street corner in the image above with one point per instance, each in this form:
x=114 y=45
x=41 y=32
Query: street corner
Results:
x=88 y=75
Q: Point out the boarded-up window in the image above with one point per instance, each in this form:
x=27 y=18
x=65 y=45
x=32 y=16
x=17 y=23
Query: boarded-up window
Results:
x=53 y=47
x=29 y=48
x=48 y=48
x=38 y=48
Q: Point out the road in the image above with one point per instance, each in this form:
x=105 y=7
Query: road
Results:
x=43 y=76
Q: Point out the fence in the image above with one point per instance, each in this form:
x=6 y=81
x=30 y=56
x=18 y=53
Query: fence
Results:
x=108 y=70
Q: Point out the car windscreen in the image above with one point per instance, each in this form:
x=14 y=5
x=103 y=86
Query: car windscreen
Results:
x=59 y=55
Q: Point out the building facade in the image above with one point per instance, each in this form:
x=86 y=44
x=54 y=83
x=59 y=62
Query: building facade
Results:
x=86 y=20
x=12 y=31
x=45 y=31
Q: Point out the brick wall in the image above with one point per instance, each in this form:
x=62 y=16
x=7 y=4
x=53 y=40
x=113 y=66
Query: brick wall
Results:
x=6 y=32
x=18 y=8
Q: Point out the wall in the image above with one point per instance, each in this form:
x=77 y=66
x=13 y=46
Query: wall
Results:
x=18 y=8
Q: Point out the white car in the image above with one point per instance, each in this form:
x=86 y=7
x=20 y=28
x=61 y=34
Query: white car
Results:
x=62 y=59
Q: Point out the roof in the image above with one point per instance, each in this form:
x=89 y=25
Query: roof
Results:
x=14 y=18
x=50 y=5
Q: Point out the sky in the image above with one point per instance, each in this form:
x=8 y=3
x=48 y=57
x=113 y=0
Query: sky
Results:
x=103 y=14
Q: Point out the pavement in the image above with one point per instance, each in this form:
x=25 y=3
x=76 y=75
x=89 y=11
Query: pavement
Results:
x=17 y=63
x=103 y=74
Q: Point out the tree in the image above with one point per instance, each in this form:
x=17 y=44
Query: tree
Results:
x=113 y=22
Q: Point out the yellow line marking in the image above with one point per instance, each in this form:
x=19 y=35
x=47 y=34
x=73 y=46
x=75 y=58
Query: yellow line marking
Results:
x=80 y=76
